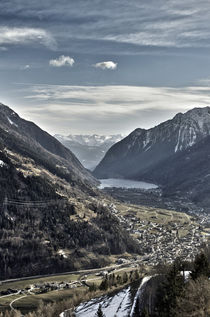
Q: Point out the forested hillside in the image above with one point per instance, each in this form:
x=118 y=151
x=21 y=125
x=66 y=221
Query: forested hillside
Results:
x=51 y=216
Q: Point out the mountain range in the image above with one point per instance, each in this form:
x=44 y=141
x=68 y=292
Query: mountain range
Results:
x=53 y=218
x=89 y=149
x=174 y=155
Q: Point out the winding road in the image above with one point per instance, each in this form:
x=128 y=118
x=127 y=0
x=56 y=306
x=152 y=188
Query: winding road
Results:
x=15 y=300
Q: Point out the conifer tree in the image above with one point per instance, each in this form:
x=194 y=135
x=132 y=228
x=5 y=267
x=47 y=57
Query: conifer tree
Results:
x=170 y=290
x=125 y=278
x=104 y=284
x=99 y=312
x=201 y=266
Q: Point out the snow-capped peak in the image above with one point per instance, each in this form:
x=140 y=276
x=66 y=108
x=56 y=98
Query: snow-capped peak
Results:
x=194 y=125
x=91 y=140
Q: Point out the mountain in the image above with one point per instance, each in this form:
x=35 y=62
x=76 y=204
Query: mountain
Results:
x=28 y=139
x=89 y=149
x=186 y=172
x=53 y=218
x=143 y=149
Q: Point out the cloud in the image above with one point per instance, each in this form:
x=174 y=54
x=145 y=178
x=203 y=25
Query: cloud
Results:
x=122 y=98
x=156 y=23
x=109 y=109
x=62 y=61
x=26 y=67
x=19 y=35
x=106 y=65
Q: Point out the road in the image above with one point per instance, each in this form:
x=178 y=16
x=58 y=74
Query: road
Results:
x=25 y=295
x=88 y=271
x=83 y=279
x=15 y=300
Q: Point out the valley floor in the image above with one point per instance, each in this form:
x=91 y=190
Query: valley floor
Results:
x=26 y=294
x=162 y=234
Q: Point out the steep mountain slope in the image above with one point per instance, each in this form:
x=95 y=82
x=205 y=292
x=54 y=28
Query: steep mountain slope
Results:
x=185 y=172
x=52 y=216
x=28 y=139
x=89 y=149
x=143 y=149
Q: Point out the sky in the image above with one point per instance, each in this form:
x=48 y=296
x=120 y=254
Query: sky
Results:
x=105 y=67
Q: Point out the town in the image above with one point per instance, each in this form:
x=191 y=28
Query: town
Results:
x=179 y=236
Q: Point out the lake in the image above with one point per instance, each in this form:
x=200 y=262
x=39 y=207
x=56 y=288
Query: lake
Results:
x=125 y=183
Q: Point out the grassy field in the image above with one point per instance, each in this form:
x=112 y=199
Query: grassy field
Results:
x=26 y=283
x=5 y=301
x=160 y=216
x=31 y=302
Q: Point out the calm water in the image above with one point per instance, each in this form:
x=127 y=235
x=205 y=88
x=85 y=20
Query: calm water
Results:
x=125 y=183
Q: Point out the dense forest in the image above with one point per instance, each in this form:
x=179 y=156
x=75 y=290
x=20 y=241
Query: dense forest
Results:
x=51 y=216
x=36 y=222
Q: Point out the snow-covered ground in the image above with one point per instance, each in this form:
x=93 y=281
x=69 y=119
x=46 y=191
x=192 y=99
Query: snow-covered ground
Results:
x=139 y=293
x=2 y=163
x=119 y=305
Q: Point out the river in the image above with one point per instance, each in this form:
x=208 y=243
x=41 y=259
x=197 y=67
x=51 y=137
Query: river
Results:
x=125 y=183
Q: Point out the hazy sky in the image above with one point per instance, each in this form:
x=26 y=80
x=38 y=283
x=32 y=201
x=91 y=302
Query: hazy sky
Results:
x=92 y=66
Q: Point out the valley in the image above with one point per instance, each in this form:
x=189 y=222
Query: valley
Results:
x=173 y=154
x=89 y=149
x=59 y=202
x=155 y=198
x=26 y=294
x=162 y=236
x=104 y=158
x=77 y=232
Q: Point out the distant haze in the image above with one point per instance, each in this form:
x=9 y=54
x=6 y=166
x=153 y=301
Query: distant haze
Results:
x=89 y=149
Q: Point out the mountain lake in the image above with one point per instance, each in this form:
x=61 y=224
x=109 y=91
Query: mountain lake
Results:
x=125 y=183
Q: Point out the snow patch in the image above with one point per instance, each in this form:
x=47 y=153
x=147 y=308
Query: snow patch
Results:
x=63 y=253
x=186 y=274
x=146 y=149
x=192 y=137
x=2 y=164
x=140 y=293
x=117 y=305
x=177 y=145
x=65 y=313
x=147 y=140
x=11 y=122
